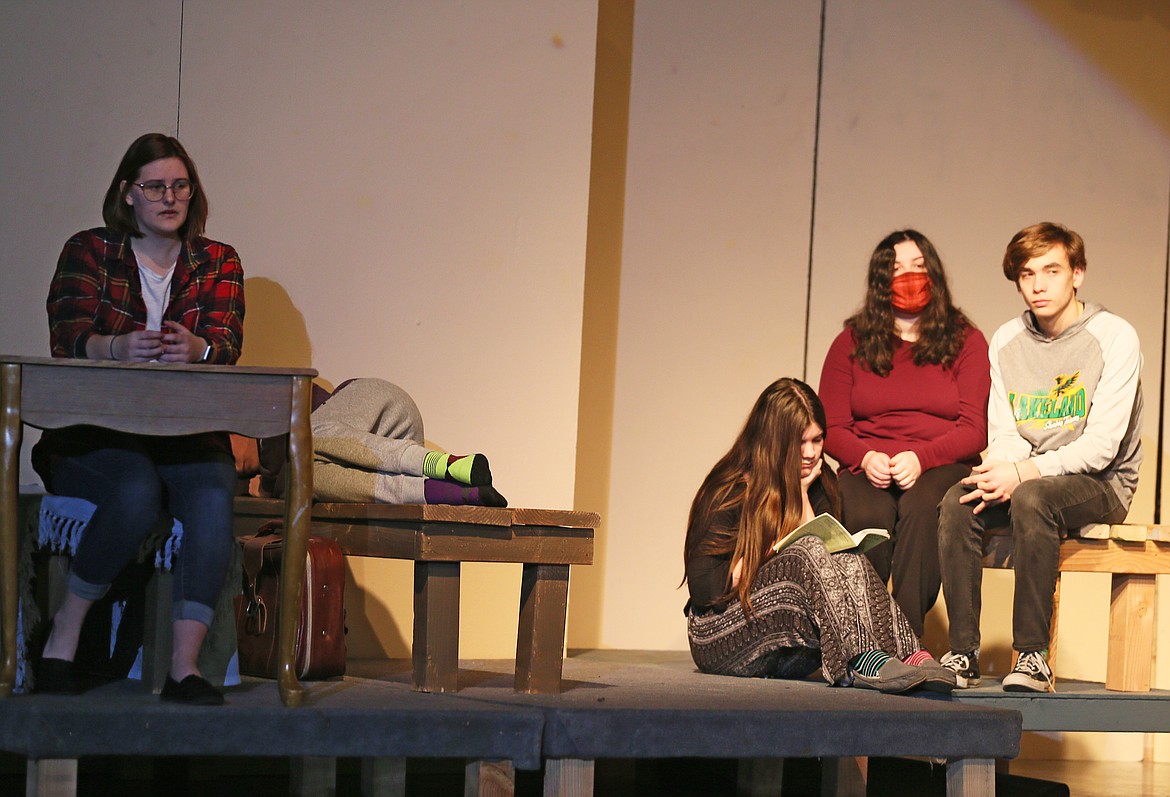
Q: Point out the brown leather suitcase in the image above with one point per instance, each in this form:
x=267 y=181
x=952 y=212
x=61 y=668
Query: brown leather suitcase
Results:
x=320 y=643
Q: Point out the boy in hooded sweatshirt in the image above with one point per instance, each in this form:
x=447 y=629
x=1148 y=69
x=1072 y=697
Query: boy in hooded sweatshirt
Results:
x=1064 y=446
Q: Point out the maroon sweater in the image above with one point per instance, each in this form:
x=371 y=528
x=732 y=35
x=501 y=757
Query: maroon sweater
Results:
x=938 y=413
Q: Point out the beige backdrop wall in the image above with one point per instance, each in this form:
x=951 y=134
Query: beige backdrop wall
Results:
x=407 y=186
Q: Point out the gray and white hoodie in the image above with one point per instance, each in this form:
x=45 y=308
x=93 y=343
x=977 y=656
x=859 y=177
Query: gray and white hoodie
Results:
x=1072 y=404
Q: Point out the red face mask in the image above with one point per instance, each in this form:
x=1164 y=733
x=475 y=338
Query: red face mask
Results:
x=911 y=292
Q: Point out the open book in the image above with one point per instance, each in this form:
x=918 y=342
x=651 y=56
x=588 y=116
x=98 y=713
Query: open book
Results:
x=834 y=535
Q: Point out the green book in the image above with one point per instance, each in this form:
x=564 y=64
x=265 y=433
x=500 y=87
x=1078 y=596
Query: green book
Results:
x=834 y=535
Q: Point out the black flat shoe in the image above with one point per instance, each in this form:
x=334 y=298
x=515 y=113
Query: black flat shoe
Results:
x=51 y=676
x=191 y=691
x=55 y=677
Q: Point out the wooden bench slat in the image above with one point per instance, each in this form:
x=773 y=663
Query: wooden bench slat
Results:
x=1114 y=556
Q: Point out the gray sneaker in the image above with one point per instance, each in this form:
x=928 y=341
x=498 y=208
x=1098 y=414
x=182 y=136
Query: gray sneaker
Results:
x=938 y=678
x=1031 y=674
x=965 y=666
x=894 y=677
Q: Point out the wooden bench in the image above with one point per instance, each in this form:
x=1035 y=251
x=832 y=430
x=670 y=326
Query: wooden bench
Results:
x=438 y=538
x=1135 y=555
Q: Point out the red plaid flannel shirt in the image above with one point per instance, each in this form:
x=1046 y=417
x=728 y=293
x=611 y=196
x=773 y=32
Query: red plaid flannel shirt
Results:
x=96 y=290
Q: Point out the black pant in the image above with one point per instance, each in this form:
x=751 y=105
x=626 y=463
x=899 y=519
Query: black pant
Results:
x=911 y=517
x=1039 y=513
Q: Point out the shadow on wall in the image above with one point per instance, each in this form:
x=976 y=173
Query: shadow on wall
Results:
x=274 y=330
x=1127 y=39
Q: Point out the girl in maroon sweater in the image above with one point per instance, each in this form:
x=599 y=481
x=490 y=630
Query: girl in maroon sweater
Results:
x=905 y=389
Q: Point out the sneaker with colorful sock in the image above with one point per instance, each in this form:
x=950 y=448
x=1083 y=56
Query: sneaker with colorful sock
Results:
x=1031 y=673
x=471 y=469
x=875 y=669
x=938 y=677
x=965 y=666
x=441 y=491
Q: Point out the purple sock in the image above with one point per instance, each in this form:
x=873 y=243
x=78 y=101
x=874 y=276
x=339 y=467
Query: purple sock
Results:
x=441 y=491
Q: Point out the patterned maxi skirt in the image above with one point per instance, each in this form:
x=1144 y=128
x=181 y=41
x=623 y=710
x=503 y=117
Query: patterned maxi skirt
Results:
x=810 y=608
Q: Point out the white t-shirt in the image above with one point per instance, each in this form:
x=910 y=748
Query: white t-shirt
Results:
x=156 y=292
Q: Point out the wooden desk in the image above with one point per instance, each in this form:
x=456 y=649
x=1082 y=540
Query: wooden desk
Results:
x=156 y=399
x=438 y=538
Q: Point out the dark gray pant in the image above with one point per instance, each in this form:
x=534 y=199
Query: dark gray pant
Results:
x=1039 y=514
x=911 y=517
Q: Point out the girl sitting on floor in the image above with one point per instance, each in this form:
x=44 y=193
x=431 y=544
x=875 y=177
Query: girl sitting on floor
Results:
x=753 y=612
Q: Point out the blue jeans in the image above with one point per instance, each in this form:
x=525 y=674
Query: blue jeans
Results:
x=1040 y=512
x=131 y=484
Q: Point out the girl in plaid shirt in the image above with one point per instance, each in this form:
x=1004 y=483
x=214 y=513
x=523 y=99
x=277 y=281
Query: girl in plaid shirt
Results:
x=146 y=287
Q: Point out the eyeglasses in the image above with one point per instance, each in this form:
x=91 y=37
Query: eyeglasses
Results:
x=155 y=190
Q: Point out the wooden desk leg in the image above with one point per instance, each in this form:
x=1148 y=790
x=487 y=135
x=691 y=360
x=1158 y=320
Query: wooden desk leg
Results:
x=435 y=651
x=970 y=777
x=296 y=538
x=1131 y=632
x=158 y=631
x=540 y=638
x=10 y=437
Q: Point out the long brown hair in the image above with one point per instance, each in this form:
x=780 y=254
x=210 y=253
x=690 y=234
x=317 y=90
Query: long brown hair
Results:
x=147 y=149
x=752 y=496
x=942 y=327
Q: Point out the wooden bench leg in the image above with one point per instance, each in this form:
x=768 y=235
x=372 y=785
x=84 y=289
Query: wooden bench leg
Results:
x=51 y=777
x=383 y=776
x=489 y=779
x=760 y=777
x=568 y=777
x=971 y=777
x=540 y=639
x=1131 y=632
x=435 y=652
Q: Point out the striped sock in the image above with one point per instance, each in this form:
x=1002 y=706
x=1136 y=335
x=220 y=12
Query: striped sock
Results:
x=471 y=469
x=919 y=657
x=869 y=663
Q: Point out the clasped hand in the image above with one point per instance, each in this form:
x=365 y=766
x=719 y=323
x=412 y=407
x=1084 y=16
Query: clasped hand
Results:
x=174 y=344
x=901 y=470
x=994 y=483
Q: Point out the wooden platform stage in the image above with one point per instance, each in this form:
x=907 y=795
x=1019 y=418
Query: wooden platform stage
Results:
x=614 y=705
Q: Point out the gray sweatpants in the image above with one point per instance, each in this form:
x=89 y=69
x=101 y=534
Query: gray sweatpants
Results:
x=368 y=445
